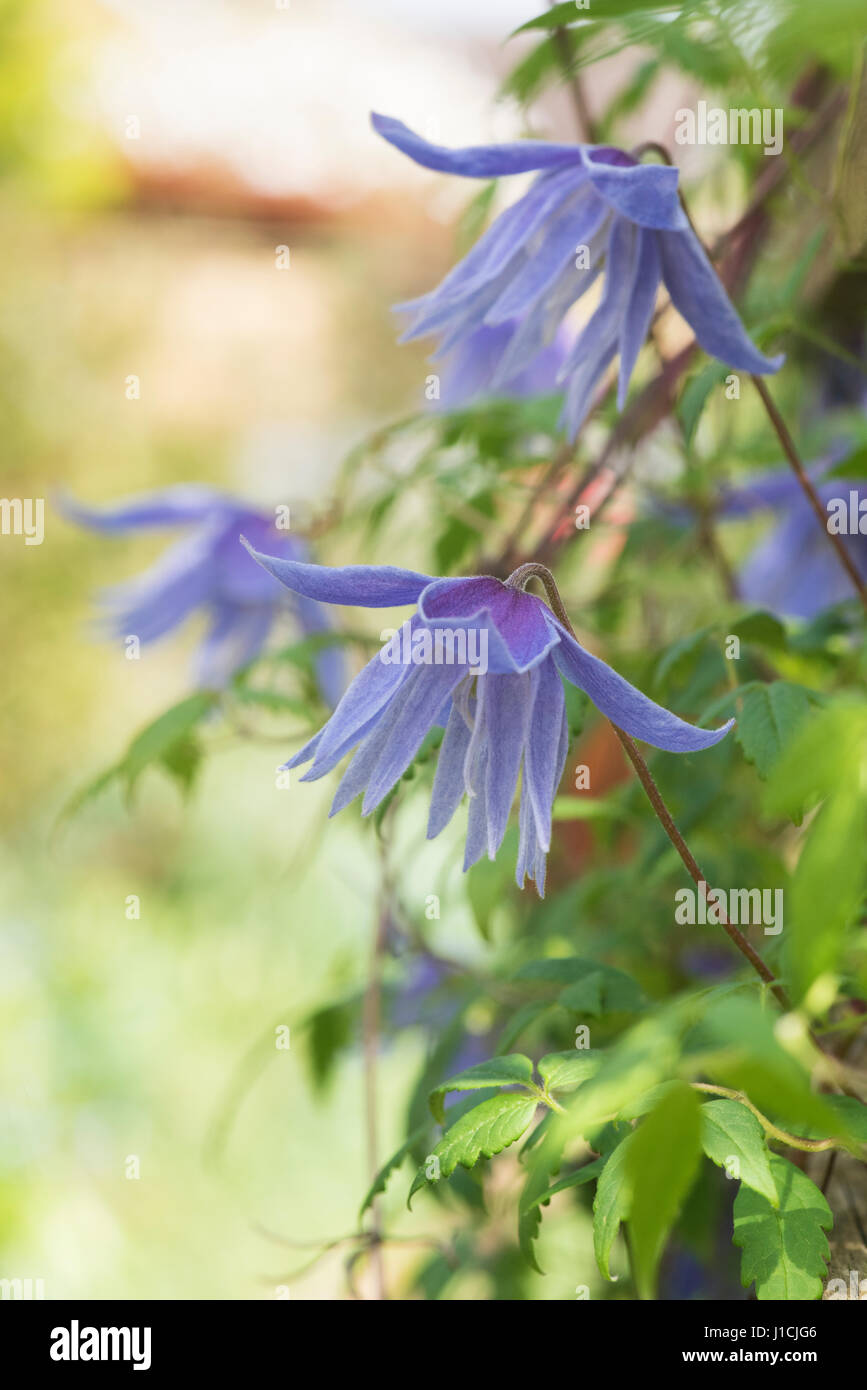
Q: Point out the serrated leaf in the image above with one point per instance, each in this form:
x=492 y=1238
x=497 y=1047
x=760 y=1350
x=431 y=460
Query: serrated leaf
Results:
x=529 y=1214
x=660 y=1168
x=611 y=1204
x=785 y=1250
x=729 y=1131
x=514 y=1069
x=485 y=1130
x=769 y=719
x=391 y=1165
x=562 y=1070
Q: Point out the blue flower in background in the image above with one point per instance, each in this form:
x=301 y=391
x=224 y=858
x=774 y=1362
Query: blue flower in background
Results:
x=485 y=660
x=523 y=274
x=207 y=569
x=794 y=571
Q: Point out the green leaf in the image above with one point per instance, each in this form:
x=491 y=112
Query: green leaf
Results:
x=566 y=1070
x=588 y=1172
x=832 y=856
x=511 y=1070
x=533 y=1192
x=485 y=1130
x=769 y=719
x=729 y=1131
x=785 y=1250
x=660 y=1168
x=380 y=1182
x=591 y=988
x=611 y=1204
x=850 y=180
x=753 y=1060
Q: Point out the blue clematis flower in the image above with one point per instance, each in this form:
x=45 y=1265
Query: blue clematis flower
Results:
x=207 y=569
x=523 y=275
x=486 y=660
x=793 y=571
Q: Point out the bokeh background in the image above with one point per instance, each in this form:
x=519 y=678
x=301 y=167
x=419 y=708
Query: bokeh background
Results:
x=152 y=157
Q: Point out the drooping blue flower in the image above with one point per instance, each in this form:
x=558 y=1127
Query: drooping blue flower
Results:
x=486 y=660
x=207 y=569
x=794 y=572
x=524 y=273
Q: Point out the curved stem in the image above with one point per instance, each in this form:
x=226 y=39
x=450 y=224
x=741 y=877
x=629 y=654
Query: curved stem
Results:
x=792 y=1141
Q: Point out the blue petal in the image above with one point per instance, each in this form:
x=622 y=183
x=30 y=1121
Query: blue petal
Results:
x=368 y=695
x=505 y=706
x=519 y=627
x=574 y=226
x=698 y=295
x=639 y=310
x=645 y=193
x=161 y=599
x=417 y=710
x=171 y=506
x=362 y=586
x=237 y=636
x=449 y=787
x=543 y=762
x=627 y=707
x=597 y=343
x=475 y=161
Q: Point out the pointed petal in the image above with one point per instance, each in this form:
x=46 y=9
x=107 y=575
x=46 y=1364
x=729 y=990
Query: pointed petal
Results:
x=508 y=704
x=475 y=161
x=362 y=586
x=698 y=295
x=575 y=225
x=367 y=697
x=420 y=702
x=639 y=310
x=448 y=787
x=627 y=707
x=171 y=506
x=543 y=767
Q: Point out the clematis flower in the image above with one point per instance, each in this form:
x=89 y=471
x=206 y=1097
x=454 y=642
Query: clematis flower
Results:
x=524 y=274
x=793 y=571
x=502 y=716
x=207 y=570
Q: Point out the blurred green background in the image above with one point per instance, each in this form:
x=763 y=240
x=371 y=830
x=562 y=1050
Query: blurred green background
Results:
x=142 y=1039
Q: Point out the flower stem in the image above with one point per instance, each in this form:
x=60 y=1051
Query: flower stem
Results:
x=666 y=820
x=518 y=580
x=808 y=489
